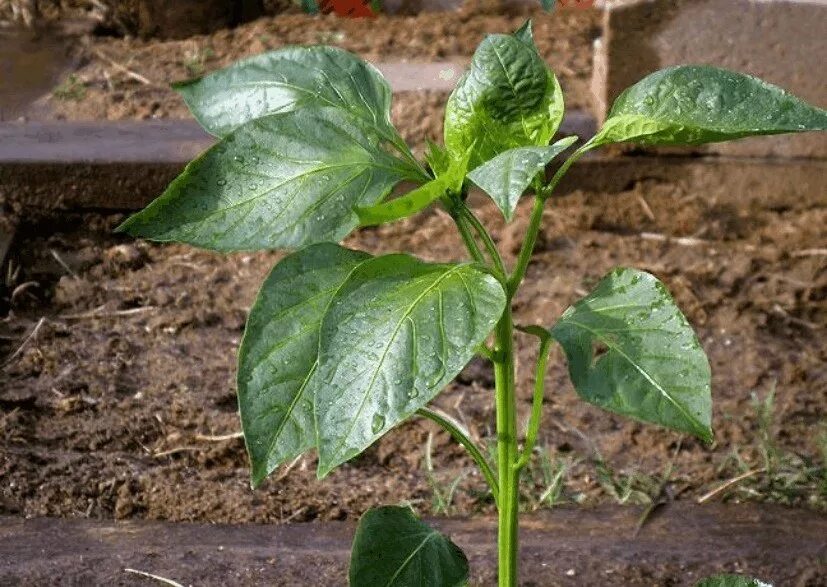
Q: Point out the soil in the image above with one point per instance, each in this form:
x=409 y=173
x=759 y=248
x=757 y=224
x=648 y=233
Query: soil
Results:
x=104 y=91
x=135 y=357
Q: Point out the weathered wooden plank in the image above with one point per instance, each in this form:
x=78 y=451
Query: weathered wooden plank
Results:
x=568 y=546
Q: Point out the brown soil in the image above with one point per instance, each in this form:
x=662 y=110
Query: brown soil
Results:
x=135 y=358
x=564 y=38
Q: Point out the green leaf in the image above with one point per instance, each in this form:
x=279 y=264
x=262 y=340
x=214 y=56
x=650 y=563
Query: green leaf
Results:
x=631 y=351
x=695 y=104
x=507 y=176
x=394 y=335
x=406 y=205
x=447 y=181
x=394 y=548
x=284 y=180
x=288 y=79
x=437 y=157
x=279 y=350
x=731 y=581
x=507 y=99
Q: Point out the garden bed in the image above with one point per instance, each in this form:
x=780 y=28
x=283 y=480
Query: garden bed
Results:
x=107 y=403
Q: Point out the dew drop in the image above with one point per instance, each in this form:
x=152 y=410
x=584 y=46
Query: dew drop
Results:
x=378 y=423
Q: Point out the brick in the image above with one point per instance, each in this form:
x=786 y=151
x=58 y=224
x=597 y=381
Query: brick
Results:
x=781 y=41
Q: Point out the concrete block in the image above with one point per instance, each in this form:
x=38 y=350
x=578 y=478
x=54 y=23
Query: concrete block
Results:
x=781 y=41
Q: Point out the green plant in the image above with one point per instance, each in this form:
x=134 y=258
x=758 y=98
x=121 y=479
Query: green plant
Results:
x=72 y=88
x=341 y=346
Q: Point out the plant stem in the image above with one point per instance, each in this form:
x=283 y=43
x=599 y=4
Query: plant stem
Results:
x=455 y=430
x=468 y=237
x=536 y=218
x=537 y=404
x=508 y=541
x=493 y=252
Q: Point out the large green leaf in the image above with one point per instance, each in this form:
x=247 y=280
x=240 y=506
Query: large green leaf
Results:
x=695 y=104
x=393 y=548
x=508 y=98
x=288 y=79
x=507 y=176
x=631 y=351
x=731 y=581
x=284 y=180
x=279 y=350
x=394 y=335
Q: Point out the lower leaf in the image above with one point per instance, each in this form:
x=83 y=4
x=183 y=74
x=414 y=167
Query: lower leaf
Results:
x=394 y=335
x=278 y=353
x=395 y=549
x=631 y=351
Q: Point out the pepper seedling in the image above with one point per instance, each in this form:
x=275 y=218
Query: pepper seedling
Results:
x=341 y=346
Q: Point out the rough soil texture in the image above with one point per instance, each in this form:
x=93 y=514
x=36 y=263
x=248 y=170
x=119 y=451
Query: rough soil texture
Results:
x=569 y=547
x=102 y=407
x=105 y=91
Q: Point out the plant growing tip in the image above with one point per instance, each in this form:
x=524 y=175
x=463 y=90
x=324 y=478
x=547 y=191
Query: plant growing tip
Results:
x=341 y=346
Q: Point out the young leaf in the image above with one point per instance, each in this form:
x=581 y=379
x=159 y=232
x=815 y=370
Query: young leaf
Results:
x=631 y=351
x=394 y=335
x=447 y=181
x=278 y=354
x=394 y=548
x=695 y=104
x=437 y=157
x=731 y=581
x=508 y=98
x=284 y=180
x=406 y=205
x=507 y=176
x=288 y=79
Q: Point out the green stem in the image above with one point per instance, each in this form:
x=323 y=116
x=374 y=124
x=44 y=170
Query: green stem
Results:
x=508 y=541
x=455 y=430
x=493 y=252
x=536 y=405
x=536 y=218
x=465 y=232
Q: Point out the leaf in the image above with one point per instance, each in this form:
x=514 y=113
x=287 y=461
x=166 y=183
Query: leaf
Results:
x=731 y=581
x=507 y=176
x=406 y=205
x=652 y=367
x=279 y=350
x=447 y=181
x=437 y=157
x=394 y=548
x=394 y=335
x=507 y=99
x=285 y=80
x=696 y=104
x=285 y=180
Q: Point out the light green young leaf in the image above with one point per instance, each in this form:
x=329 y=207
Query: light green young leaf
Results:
x=281 y=181
x=394 y=548
x=696 y=104
x=394 y=335
x=631 y=351
x=437 y=157
x=507 y=176
x=731 y=581
x=508 y=98
x=447 y=181
x=288 y=79
x=279 y=350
